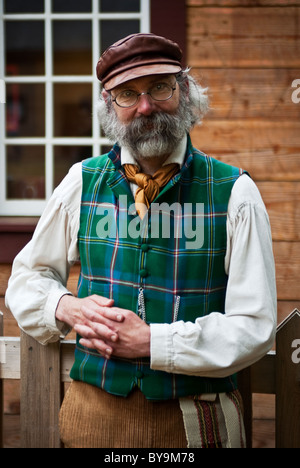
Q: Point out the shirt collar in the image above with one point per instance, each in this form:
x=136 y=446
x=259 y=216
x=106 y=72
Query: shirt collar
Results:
x=177 y=156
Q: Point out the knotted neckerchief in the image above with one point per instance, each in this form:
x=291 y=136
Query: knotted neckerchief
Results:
x=149 y=186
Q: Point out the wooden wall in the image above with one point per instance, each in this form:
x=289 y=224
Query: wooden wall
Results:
x=248 y=53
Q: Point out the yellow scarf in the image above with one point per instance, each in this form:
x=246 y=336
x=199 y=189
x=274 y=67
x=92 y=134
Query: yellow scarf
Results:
x=149 y=186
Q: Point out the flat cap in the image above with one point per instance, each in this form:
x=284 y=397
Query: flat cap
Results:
x=138 y=55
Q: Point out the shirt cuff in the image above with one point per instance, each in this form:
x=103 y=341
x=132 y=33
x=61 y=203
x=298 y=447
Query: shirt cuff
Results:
x=161 y=347
x=56 y=327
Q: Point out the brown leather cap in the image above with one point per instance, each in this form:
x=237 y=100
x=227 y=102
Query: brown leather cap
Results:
x=138 y=55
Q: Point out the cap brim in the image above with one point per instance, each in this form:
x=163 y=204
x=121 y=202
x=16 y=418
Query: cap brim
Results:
x=138 y=72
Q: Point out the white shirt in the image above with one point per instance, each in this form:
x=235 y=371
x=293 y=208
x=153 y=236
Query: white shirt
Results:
x=214 y=346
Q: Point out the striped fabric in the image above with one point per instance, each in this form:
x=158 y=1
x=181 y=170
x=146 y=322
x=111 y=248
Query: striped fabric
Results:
x=214 y=421
x=163 y=276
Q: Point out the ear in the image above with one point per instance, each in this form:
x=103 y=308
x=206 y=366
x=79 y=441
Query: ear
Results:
x=105 y=95
x=187 y=89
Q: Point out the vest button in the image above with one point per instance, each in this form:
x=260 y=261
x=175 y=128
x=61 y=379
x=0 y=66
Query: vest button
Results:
x=145 y=247
x=139 y=374
x=143 y=273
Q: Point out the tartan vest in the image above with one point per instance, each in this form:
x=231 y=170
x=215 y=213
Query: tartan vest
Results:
x=163 y=276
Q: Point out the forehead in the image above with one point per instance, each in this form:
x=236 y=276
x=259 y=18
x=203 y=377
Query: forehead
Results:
x=144 y=81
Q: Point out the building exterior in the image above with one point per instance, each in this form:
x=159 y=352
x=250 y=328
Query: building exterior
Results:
x=245 y=51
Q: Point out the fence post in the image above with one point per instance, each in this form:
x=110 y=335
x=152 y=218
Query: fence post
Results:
x=41 y=394
x=288 y=382
x=1 y=389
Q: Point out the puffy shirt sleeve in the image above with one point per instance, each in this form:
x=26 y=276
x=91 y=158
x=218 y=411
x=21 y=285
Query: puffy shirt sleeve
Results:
x=219 y=344
x=40 y=271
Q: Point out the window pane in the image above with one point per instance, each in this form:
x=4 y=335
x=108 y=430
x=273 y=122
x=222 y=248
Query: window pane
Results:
x=21 y=6
x=24 y=47
x=111 y=6
x=105 y=149
x=72 y=47
x=25 y=174
x=71 y=6
x=73 y=109
x=25 y=110
x=65 y=157
x=112 y=31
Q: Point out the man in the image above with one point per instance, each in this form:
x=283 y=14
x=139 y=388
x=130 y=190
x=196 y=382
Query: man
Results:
x=177 y=286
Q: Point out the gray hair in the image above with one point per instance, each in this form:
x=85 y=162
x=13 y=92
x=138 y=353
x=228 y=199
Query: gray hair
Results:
x=198 y=98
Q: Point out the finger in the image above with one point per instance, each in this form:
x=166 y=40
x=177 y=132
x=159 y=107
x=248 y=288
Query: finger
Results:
x=85 y=331
x=104 y=332
x=113 y=313
x=99 y=345
x=102 y=315
x=93 y=315
x=101 y=300
x=96 y=330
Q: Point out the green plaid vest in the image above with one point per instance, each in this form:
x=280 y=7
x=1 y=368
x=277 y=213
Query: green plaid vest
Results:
x=165 y=276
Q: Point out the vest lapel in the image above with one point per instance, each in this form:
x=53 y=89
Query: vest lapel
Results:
x=175 y=180
x=118 y=183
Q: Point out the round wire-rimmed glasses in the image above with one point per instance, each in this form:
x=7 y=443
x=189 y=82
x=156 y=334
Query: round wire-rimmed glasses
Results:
x=159 y=92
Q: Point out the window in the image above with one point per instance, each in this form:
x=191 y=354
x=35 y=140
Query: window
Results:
x=48 y=55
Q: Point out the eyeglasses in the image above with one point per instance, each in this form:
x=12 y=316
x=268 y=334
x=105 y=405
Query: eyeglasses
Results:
x=159 y=92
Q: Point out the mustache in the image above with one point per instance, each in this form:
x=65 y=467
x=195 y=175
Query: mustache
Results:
x=153 y=125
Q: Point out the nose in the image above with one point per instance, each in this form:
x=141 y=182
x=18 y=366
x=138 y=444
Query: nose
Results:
x=145 y=105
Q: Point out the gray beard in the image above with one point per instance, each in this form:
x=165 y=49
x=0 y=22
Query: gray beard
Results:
x=146 y=137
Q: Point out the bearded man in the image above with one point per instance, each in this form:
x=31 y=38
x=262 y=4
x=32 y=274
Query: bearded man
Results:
x=163 y=324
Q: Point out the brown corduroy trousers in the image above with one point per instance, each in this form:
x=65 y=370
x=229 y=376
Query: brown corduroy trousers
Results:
x=92 y=418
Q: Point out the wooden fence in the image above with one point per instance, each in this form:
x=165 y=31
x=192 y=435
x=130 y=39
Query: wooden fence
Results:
x=43 y=370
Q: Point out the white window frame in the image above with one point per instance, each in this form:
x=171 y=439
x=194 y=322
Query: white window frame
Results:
x=36 y=207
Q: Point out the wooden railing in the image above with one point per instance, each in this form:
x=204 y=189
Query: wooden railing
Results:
x=43 y=370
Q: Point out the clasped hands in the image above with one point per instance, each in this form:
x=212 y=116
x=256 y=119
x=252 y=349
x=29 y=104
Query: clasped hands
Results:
x=110 y=330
